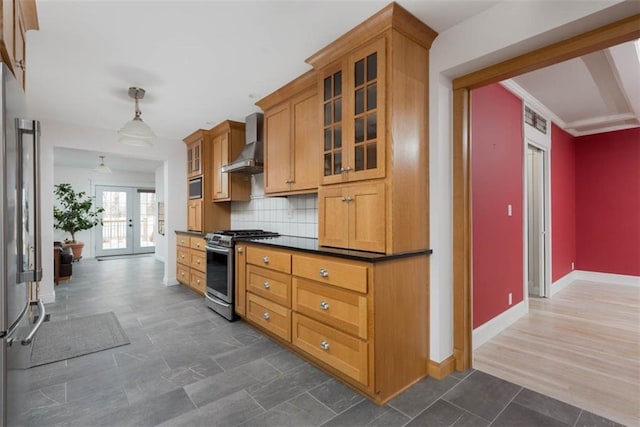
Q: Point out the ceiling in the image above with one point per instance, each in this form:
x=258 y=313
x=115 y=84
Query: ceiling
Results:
x=69 y=157
x=202 y=62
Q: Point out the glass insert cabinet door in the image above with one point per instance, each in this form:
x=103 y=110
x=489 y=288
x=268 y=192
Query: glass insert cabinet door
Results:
x=128 y=222
x=354 y=116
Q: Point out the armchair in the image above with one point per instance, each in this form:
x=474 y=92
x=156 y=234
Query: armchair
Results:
x=62 y=259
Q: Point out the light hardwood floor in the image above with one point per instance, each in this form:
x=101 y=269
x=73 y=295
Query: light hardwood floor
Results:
x=582 y=347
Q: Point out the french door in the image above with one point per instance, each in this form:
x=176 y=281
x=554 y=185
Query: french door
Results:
x=128 y=220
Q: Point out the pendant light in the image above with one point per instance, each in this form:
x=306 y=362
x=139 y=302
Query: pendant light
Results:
x=102 y=168
x=136 y=132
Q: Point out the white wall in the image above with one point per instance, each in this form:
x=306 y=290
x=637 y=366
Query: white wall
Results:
x=172 y=152
x=506 y=30
x=291 y=216
x=86 y=180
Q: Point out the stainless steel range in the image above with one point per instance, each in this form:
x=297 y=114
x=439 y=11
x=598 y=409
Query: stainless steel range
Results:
x=221 y=267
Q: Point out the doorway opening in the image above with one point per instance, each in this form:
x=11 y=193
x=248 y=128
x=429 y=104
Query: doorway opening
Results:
x=536 y=223
x=128 y=221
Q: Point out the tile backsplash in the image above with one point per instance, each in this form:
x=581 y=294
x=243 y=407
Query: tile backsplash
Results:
x=292 y=216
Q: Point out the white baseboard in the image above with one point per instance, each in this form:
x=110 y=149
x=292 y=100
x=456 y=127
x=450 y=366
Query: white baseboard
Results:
x=609 y=278
x=563 y=282
x=171 y=281
x=493 y=327
x=48 y=298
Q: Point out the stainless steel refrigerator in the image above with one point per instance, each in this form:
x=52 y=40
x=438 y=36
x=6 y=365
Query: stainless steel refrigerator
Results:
x=20 y=259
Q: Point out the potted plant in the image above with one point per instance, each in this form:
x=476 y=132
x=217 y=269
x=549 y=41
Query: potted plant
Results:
x=74 y=212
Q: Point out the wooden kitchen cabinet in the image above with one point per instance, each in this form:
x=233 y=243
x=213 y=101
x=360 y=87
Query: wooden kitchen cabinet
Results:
x=228 y=139
x=291 y=131
x=353 y=216
x=194 y=157
x=353 y=114
x=191 y=261
x=17 y=17
x=194 y=215
x=341 y=314
x=374 y=83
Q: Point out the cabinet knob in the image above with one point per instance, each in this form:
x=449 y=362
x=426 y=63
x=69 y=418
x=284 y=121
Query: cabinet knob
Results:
x=265 y=260
x=198 y=281
x=324 y=345
x=182 y=274
x=240 y=250
x=182 y=256
x=198 y=261
x=347 y=169
x=266 y=315
x=324 y=305
x=324 y=273
x=266 y=285
x=197 y=245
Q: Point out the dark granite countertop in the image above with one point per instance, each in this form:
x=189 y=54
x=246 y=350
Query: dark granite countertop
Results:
x=191 y=233
x=305 y=244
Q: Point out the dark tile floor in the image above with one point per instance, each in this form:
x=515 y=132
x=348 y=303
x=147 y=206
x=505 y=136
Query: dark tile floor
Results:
x=187 y=366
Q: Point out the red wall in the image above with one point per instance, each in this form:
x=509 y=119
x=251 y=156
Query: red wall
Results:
x=608 y=202
x=496 y=169
x=563 y=203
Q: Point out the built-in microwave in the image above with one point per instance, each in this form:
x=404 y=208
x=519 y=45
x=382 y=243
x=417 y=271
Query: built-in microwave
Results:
x=195 y=188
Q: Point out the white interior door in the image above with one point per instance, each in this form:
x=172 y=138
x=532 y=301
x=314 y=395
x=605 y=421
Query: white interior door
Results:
x=128 y=221
x=535 y=222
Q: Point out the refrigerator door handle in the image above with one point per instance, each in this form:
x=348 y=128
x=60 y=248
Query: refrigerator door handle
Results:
x=27 y=340
x=29 y=127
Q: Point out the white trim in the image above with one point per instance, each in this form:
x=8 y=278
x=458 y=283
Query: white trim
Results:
x=538 y=106
x=493 y=327
x=609 y=278
x=171 y=281
x=563 y=282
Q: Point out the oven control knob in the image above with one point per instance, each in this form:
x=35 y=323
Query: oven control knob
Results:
x=266 y=316
x=324 y=272
x=324 y=345
x=324 y=305
x=265 y=260
x=266 y=285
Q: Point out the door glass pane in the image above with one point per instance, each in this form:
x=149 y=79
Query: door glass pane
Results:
x=359 y=72
x=359 y=101
x=372 y=96
x=147 y=219
x=337 y=84
x=114 y=220
x=372 y=161
x=359 y=158
x=359 y=129
x=372 y=126
x=327 y=88
x=337 y=136
x=327 y=139
x=372 y=66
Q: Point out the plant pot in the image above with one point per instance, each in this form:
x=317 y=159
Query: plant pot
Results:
x=76 y=248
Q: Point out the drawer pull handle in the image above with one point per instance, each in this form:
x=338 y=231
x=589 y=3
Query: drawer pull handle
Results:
x=265 y=260
x=289 y=181
x=324 y=272
x=324 y=305
x=266 y=315
x=324 y=345
x=266 y=285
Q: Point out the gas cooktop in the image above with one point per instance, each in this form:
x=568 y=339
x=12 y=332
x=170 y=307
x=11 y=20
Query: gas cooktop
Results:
x=226 y=237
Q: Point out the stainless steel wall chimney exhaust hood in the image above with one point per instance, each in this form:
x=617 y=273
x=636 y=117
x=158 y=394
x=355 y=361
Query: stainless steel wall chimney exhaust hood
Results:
x=251 y=159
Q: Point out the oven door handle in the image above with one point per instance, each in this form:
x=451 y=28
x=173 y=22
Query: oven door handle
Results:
x=218 y=250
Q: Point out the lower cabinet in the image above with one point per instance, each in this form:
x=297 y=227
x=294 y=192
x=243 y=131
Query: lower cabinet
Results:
x=191 y=262
x=366 y=323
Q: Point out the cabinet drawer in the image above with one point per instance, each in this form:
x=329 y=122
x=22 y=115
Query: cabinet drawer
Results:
x=198 y=260
x=183 y=240
x=343 y=352
x=344 y=310
x=269 y=284
x=182 y=274
x=197 y=243
x=269 y=258
x=337 y=273
x=198 y=281
x=271 y=316
x=182 y=256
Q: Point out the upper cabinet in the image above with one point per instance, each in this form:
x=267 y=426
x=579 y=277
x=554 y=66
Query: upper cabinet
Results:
x=292 y=138
x=227 y=141
x=353 y=106
x=194 y=156
x=374 y=182
x=17 y=17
